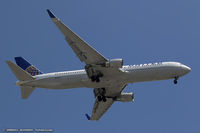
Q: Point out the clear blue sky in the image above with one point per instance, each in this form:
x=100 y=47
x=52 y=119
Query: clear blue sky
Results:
x=139 y=31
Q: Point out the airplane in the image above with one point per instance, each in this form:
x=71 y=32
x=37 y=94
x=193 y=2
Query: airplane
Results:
x=108 y=77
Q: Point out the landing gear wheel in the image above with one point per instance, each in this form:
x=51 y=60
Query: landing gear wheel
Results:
x=97 y=80
x=104 y=99
x=93 y=78
x=175 y=81
x=99 y=98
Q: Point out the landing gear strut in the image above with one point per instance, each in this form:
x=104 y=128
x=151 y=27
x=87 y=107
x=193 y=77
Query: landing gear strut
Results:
x=175 y=80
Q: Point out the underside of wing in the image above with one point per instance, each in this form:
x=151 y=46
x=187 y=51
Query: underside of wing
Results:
x=100 y=108
x=84 y=51
x=105 y=97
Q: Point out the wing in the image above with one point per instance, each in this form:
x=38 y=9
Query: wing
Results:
x=84 y=51
x=101 y=107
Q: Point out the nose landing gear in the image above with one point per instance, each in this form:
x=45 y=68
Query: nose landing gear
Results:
x=175 y=80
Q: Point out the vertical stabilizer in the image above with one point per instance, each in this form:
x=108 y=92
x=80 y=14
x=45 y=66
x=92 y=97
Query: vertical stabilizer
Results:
x=25 y=65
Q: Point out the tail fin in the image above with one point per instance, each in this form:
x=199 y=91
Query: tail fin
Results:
x=22 y=76
x=25 y=65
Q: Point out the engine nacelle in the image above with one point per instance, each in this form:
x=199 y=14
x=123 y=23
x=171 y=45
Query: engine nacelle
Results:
x=125 y=97
x=115 y=63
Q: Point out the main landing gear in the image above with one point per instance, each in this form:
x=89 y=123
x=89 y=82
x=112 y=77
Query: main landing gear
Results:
x=100 y=94
x=96 y=78
x=175 y=80
x=101 y=98
x=93 y=74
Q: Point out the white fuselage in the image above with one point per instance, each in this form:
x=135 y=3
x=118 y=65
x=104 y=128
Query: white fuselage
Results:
x=127 y=74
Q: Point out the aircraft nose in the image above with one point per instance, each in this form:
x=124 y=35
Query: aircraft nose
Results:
x=186 y=69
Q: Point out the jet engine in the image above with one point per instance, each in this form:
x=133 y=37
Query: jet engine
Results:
x=115 y=63
x=125 y=97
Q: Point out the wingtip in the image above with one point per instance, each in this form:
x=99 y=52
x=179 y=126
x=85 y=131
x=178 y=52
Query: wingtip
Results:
x=87 y=116
x=50 y=14
x=17 y=57
x=7 y=61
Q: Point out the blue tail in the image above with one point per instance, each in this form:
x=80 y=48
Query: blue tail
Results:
x=25 y=65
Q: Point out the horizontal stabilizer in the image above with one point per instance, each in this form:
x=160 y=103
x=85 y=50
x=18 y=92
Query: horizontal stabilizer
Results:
x=26 y=91
x=19 y=72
